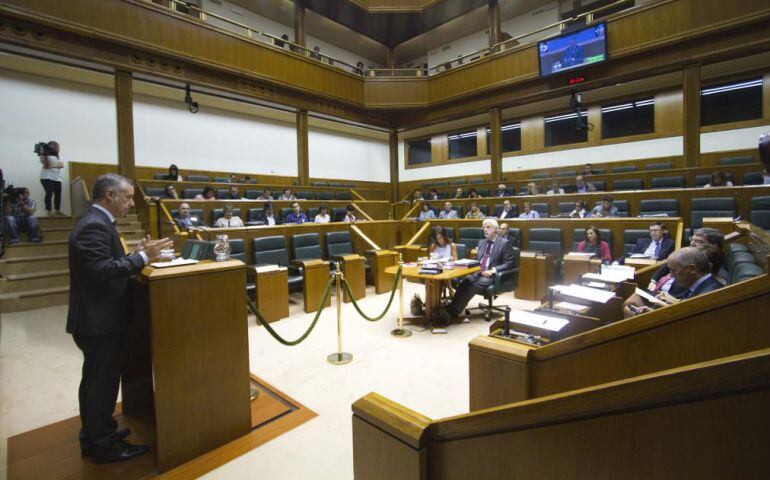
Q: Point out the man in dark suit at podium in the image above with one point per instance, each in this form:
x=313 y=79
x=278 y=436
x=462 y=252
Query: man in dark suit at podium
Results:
x=495 y=253
x=99 y=311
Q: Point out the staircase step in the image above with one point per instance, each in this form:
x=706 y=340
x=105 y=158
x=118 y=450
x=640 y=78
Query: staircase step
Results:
x=56 y=222
x=33 y=299
x=42 y=263
x=29 y=249
x=22 y=282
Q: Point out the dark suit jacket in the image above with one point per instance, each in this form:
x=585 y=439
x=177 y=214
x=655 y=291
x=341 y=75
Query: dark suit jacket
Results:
x=666 y=246
x=502 y=255
x=262 y=218
x=100 y=300
x=709 y=285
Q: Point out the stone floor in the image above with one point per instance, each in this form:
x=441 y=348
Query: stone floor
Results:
x=40 y=371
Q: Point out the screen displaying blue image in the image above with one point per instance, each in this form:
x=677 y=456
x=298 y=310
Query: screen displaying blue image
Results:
x=573 y=50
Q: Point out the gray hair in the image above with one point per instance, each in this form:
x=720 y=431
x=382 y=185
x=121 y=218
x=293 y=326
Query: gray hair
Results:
x=491 y=221
x=108 y=181
x=691 y=256
x=712 y=236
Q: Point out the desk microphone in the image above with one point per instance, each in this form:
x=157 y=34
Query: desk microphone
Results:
x=507 y=322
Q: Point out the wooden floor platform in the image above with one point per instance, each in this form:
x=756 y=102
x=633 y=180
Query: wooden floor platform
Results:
x=52 y=452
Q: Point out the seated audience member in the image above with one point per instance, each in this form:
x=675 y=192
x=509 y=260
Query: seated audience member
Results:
x=555 y=188
x=228 y=220
x=505 y=232
x=232 y=193
x=494 y=254
x=657 y=246
x=269 y=217
x=765 y=176
x=266 y=194
x=417 y=196
x=433 y=195
x=426 y=213
x=530 y=189
x=580 y=210
x=528 y=213
x=507 y=210
x=296 y=215
x=582 y=186
x=208 y=193
x=690 y=268
x=699 y=238
x=764 y=150
x=169 y=193
x=441 y=245
x=668 y=284
x=501 y=191
x=173 y=174
x=350 y=214
x=594 y=244
x=587 y=170
x=447 y=212
x=606 y=208
x=474 y=213
x=185 y=221
x=718 y=180
x=323 y=215
x=234 y=178
x=472 y=193
x=287 y=196
x=459 y=193
x=20 y=215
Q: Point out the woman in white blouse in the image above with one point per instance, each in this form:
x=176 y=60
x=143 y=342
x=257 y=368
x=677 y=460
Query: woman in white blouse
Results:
x=323 y=215
x=426 y=213
x=228 y=220
x=444 y=248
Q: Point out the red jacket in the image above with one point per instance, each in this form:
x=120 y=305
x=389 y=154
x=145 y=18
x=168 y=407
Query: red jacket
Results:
x=604 y=248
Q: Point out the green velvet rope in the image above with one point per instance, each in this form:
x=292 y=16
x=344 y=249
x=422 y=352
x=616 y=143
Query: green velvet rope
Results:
x=275 y=334
x=387 y=307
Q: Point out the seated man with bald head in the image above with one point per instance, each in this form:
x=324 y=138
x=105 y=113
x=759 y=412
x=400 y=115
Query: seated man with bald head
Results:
x=185 y=221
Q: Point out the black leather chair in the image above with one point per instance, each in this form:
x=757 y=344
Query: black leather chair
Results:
x=667 y=182
x=565 y=208
x=325 y=195
x=336 y=185
x=154 y=191
x=745 y=271
x=580 y=234
x=218 y=212
x=739 y=258
x=659 y=166
x=504 y=281
x=304 y=195
x=476 y=181
x=701 y=180
x=737 y=160
x=255 y=215
x=306 y=246
x=542 y=209
x=599 y=171
x=600 y=186
x=338 y=214
x=462 y=250
x=338 y=243
x=441 y=184
x=190 y=193
x=282 y=214
x=458 y=182
x=159 y=176
x=253 y=194
x=514 y=234
x=659 y=206
x=753 y=178
x=319 y=184
x=483 y=192
x=470 y=237
x=343 y=196
x=547 y=240
x=311 y=213
x=630 y=237
x=628 y=184
x=540 y=176
x=272 y=251
x=198 y=178
x=565 y=174
x=710 y=207
x=760 y=212
x=624 y=169
x=221 y=179
x=238 y=252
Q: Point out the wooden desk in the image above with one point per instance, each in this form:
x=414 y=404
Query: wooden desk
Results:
x=576 y=265
x=354 y=269
x=433 y=286
x=272 y=293
x=536 y=274
x=639 y=263
x=316 y=276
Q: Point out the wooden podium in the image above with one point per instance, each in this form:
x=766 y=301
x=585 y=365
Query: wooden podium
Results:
x=272 y=292
x=575 y=265
x=186 y=365
x=354 y=268
x=536 y=274
x=379 y=260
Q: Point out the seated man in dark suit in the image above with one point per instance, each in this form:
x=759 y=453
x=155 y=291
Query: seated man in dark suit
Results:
x=494 y=254
x=185 y=221
x=699 y=238
x=658 y=246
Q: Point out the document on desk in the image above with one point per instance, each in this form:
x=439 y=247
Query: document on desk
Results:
x=584 y=255
x=532 y=319
x=650 y=298
x=175 y=262
x=618 y=272
x=584 y=293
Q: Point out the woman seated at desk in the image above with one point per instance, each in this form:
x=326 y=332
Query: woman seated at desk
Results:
x=594 y=244
x=442 y=246
x=228 y=220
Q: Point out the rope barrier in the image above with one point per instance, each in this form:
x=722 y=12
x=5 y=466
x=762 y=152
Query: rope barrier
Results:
x=275 y=334
x=387 y=307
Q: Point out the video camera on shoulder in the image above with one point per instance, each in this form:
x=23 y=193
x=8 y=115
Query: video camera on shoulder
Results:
x=42 y=148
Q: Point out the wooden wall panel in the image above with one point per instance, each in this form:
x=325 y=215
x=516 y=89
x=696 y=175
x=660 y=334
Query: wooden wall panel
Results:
x=532 y=134
x=668 y=113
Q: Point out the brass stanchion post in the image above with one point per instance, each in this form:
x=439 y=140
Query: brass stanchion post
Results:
x=340 y=357
x=401 y=332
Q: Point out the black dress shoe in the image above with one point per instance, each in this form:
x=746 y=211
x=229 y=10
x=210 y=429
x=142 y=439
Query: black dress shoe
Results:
x=86 y=447
x=118 y=451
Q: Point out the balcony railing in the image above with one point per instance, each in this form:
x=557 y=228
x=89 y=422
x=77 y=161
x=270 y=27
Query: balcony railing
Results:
x=192 y=11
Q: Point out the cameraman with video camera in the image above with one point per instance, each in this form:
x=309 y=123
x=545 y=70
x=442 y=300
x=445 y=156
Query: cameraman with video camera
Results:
x=50 y=174
x=20 y=213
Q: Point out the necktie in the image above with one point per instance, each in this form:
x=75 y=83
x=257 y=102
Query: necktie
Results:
x=657 y=250
x=485 y=258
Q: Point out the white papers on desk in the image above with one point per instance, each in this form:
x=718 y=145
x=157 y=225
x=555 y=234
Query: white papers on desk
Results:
x=650 y=298
x=269 y=268
x=618 y=273
x=585 y=255
x=175 y=262
x=638 y=255
x=532 y=319
x=464 y=262
x=584 y=293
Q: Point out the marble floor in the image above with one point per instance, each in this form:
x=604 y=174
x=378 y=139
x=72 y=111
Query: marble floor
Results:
x=40 y=371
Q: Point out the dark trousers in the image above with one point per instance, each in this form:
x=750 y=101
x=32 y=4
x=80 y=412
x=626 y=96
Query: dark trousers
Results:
x=99 y=386
x=52 y=189
x=469 y=286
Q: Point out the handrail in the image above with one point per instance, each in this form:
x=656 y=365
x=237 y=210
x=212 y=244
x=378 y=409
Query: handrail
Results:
x=168 y=216
x=80 y=198
x=249 y=32
x=356 y=194
x=418 y=234
x=355 y=229
x=361 y=211
x=411 y=210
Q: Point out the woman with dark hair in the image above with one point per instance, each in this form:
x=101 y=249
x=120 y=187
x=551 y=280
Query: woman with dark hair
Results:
x=718 y=180
x=50 y=177
x=208 y=193
x=442 y=246
x=593 y=243
x=472 y=193
x=580 y=210
x=426 y=213
x=173 y=174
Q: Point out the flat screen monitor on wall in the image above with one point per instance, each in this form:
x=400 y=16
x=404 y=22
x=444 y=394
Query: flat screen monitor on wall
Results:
x=573 y=50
